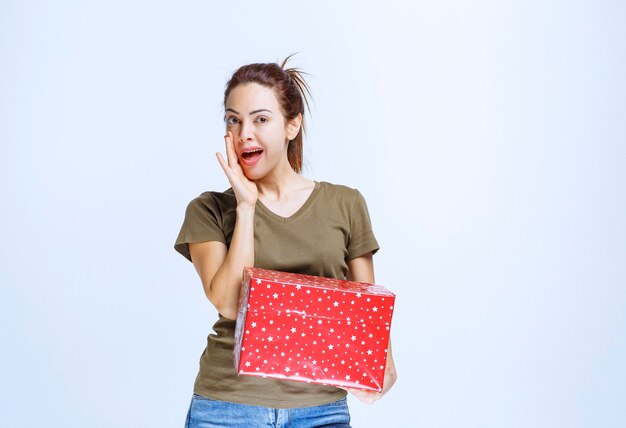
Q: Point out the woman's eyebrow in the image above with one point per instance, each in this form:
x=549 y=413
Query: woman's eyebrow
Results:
x=252 y=112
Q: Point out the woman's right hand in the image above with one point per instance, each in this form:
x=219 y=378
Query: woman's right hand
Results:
x=245 y=189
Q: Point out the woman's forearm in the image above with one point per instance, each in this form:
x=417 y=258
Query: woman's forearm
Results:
x=226 y=283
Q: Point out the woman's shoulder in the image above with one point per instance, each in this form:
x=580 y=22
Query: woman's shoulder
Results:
x=215 y=199
x=227 y=194
x=340 y=191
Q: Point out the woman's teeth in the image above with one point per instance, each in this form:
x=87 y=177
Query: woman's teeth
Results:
x=251 y=153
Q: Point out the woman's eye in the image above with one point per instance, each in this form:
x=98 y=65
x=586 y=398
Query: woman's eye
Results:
x=262 y=119
x=232 y=120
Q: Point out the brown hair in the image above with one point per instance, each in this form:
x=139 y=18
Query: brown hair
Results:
x=288 y=86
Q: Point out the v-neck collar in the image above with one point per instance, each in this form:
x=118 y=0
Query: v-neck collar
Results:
x=303 y=208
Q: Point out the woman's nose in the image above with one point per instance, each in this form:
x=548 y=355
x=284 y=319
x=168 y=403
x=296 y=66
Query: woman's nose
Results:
x=246 y=131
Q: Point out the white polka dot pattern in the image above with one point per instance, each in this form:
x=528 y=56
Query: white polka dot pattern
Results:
x=313 y=329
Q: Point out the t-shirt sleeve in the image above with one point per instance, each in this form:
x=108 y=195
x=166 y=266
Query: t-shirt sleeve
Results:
x=362 y=239
x=203 y=222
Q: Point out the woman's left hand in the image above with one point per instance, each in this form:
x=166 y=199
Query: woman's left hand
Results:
x=369 y=397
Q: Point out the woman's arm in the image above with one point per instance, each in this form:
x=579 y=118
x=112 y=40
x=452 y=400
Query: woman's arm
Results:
x=221 y=269
x=361 y=269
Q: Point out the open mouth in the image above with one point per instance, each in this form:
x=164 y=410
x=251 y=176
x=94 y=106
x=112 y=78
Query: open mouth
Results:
x=252 y=154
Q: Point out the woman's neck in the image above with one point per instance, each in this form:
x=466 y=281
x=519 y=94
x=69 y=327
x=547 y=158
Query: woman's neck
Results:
x=279 y=186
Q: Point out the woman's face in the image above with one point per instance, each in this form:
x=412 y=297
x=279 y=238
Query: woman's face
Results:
x=260 y=136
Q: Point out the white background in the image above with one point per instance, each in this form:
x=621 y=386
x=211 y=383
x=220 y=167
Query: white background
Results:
x=488 y=138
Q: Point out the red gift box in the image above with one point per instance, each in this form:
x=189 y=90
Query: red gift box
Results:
x=313 y=329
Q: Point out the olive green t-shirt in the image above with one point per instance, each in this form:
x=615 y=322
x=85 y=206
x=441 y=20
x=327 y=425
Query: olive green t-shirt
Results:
x=332 y=227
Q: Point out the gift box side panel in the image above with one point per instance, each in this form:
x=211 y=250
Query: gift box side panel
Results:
x=241 y=317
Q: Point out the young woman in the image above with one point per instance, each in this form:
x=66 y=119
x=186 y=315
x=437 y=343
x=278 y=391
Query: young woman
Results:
x=274 y=218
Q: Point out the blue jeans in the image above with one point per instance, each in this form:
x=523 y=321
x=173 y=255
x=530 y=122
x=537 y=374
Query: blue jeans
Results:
x=208 y=413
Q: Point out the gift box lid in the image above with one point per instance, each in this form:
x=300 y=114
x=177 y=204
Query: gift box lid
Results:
x=303 y=280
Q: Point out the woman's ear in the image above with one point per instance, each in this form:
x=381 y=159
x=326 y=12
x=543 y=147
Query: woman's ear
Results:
x=294 y=126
